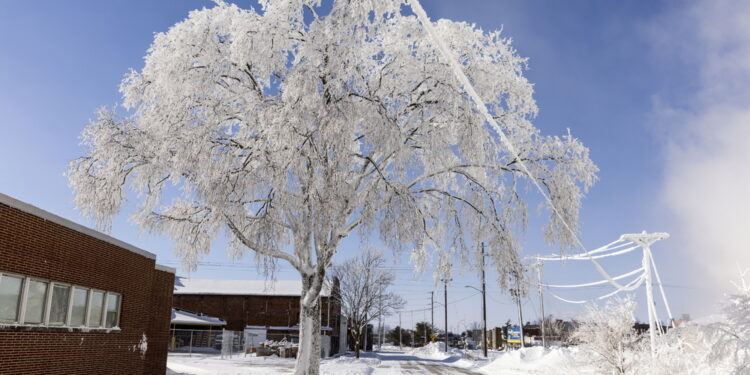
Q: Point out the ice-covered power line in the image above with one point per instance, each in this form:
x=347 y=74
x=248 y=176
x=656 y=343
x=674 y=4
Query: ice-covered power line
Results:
x=631 y=273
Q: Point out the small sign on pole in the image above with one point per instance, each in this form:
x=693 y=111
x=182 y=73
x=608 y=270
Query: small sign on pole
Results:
x=514 y=335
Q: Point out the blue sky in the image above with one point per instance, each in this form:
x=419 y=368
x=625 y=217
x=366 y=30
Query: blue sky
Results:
x=615 y=73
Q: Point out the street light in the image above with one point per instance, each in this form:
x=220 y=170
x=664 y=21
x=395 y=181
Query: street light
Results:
x=484 y=319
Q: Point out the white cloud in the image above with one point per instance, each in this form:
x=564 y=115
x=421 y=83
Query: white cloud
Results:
x=706 y=185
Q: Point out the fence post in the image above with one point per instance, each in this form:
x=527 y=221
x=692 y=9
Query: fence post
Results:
x=191 y=345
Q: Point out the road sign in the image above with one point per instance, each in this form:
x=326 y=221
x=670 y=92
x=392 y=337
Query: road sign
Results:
x=514 y=335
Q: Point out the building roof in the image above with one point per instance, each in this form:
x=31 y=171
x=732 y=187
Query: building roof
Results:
x=243 y=287
x=187 y=317
x=36 y=211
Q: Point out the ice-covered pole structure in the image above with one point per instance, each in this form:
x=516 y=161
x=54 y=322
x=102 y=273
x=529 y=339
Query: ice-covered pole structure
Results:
x=645 y=240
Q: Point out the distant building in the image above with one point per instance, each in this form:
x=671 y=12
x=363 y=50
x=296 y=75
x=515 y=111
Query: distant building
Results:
x=191 y=330
x=262 y=309
x=76 y=301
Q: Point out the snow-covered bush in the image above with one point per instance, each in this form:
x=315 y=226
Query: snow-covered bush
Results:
x=681 y=350
x=608 y=333
x=732 y=336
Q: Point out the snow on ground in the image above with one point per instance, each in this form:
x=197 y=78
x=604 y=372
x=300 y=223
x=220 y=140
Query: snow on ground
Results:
x=430 y=359
x=537 y=360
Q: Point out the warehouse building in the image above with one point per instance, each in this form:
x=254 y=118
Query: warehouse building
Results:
x=264 y=310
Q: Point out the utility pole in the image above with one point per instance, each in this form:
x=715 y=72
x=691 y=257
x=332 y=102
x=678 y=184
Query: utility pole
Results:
x=541 y=299
x=432 y=309
x=414 y=332
x=400 y=346
x=645 y=240
x=516 y=293
x=380 y=322
x=484 y=308
x=445 y=292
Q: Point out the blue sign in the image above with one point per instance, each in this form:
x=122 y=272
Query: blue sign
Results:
x=514 y=335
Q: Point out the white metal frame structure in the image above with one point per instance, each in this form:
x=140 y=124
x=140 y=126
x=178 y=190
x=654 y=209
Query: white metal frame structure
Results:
x=625 y=244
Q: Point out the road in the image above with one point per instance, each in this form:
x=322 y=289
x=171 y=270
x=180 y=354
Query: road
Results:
x=400 y=363
x=388 y=362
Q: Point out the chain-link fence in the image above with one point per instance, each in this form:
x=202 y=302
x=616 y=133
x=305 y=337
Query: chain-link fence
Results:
x=224 y=342
x=229 y=344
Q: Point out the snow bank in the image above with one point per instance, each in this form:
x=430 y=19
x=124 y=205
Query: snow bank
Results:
x=434 y=350
x=349 y=366
x=537 y=360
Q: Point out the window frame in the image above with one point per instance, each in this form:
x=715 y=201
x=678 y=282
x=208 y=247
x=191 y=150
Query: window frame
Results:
x=85 y=309
x=66 y=320
x=25 y=296
x=103 y=308
x=21 y=296
x=22 y=307
x=106 y=309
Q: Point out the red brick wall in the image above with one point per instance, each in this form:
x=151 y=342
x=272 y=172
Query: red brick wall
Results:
x=161 y=314
x=242 y=311
x=33 y=246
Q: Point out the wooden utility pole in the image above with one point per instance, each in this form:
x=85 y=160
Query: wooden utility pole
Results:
x=400 y=346
x=541 y=299
x=445 y=292
x=516 y=293
x=484 y=308
x=432 y=310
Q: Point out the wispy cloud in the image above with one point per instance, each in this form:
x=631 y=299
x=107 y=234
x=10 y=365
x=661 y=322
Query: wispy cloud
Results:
x=706 y=124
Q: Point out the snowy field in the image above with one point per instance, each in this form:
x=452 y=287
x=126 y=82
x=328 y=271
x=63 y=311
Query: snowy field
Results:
x=427 y=360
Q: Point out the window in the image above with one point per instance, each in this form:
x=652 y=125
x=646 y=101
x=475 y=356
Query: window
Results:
x=78 y=312
x=35 y=302
x=59 y=305
x=95 y=310
x=10 y=297
x=113 y=310
x=36 y=297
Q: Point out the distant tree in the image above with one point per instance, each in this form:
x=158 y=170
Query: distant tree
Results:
x=393 y=336
x=286 y=130
x=364 y=293
x=608 y=333
x=423 y=332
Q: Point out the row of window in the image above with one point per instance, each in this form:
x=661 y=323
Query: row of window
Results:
x=32 y=301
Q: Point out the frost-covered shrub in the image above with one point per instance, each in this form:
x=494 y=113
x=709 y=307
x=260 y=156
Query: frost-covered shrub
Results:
x=732 y=336
x=608 y=333
x=681 y=350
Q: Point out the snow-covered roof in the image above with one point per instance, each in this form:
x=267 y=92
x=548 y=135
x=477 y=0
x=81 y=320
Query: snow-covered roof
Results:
x=184 y=285
x=187 y=317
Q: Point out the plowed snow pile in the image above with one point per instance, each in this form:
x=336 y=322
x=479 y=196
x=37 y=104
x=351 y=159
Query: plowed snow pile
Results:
x=430 y=351
x=537 y=360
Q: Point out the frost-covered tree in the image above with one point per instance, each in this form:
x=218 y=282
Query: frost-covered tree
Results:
x=608 y=332
x=731 y=337
x=365 y=294
x=286 y=130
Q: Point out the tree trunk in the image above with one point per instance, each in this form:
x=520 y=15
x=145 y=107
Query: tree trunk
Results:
x=308 y=357
x=357 y=336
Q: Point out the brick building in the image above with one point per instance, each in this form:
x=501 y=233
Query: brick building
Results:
x=267 y=309
x=76 y=301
